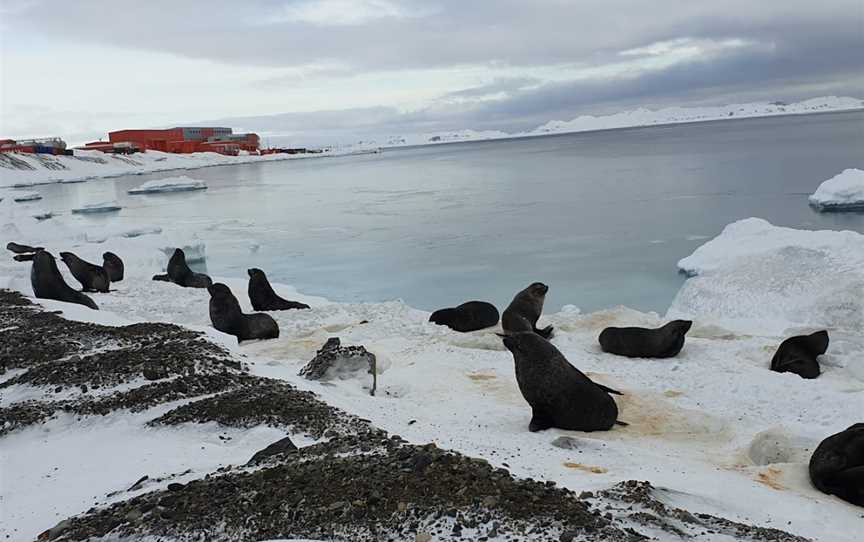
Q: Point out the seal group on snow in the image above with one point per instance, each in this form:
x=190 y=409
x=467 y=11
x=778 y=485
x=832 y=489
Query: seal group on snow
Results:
x=227 y=316
x=48 y=283
x=524 y=311
x=798 y=354
x=179 y=273
x=93 y=278
x=469 y=316
x=264 y=298
x=560 y=395
x=837 y=465
x=640 y=342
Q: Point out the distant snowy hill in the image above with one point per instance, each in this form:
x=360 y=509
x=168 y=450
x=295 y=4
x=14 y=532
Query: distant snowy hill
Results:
x=634 y=118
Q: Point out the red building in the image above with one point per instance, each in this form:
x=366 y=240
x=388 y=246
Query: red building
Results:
x=181 y=140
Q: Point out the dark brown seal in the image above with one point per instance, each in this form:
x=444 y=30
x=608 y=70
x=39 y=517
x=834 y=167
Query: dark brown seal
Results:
x=93 y=278
x=227 y=316
x=837 y=465
x=48 y=283
x=264 y=298
x=560 y=395
x=178 y=272
x=524 y=311
x=113 y=265
x=798 y=354
x=469 y=316
x=640 y=342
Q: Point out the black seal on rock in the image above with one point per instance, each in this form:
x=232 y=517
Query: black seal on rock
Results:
x=640 y=342
x=179 y=273
x=798 y=354
x=469 y=316
x=227 y=317
x=263 y=297
x=113 y=265
x=22 y=249
x=524 y=311
x=93 y=278
x=837 y=465
x=560 y=395
x=48 y=283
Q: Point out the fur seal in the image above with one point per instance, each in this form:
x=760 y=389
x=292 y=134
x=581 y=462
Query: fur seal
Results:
x=524 y=311
x=263 y=297
x=113 y=265
x=178 y=272
x=93 y=278
x=22 y=249
x=837 y=465
x=560 y=395
x=798 y=354
x=639 y=342
x=48 y=283
x=469 y=316
x=227 y=317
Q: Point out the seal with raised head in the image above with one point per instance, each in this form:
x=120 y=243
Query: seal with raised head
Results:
x=264 y=298
x=837 y=465
x=113 y=265
x=798 y=354
x=22 y=249
x=469 y=316
x=48 y=283
x=178 y=272
x=640 y=342
x=524 y=311
x=560 y=395
x=93 y=278
x=227 y=316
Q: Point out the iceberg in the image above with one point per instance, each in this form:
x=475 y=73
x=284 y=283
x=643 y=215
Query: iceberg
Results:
x=180 y=183
x=93 y=208
x=21 y=197
x=843 y=192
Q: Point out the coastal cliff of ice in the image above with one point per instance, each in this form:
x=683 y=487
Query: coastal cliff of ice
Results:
x=843 y=192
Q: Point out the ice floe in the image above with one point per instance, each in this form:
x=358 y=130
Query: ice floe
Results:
x=843 y=192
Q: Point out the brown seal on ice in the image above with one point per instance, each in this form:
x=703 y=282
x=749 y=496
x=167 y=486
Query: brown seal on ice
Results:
x=113 y=265
x=178 y=272
x=264 y=298
x=93 y=278
x=798 y=354
x=227 y=316
x=469 y=316
x=837 y=465
x=48 y=283
x=640 y=342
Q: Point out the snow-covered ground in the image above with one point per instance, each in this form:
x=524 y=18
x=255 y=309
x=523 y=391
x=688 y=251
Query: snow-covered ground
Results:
x=635 y=118
x=713 y=427
x=21 y=169
x=843 y=192
x=180 y=183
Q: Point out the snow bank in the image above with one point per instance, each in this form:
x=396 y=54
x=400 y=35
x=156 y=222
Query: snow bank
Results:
x=180 y=183
x=21 y=169
x=763 y=278
x=843 y=192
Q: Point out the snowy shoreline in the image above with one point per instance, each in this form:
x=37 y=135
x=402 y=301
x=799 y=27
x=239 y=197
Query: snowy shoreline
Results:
x=714 y=427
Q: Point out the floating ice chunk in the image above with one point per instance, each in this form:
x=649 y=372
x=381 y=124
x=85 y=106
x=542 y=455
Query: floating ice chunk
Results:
x=103 y=207
x=21 y=197
x=180 y=183
x=843 y=192
x=42 y=214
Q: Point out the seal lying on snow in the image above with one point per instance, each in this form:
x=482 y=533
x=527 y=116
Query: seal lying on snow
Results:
x=798 y=354
x=837 y=465
x=639 y=342
x=113 y=265
x=524 y=311
x=48 y=283
x=227 y=317
x=560 y=395
x=263 y=297
x=469 y=316
x=178 y=272
x=93 y=278
x=22 y=249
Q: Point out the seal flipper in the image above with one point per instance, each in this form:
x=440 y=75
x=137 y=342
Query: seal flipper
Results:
x=546 y=332
x=540 y=421
x=622 y=424
x=163 y=278
x=608 y=390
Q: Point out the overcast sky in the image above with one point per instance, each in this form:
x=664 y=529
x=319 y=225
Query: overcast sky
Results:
x=350 y=68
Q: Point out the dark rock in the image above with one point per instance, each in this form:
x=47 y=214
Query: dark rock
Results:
x=334 y=361
x=280 y=447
